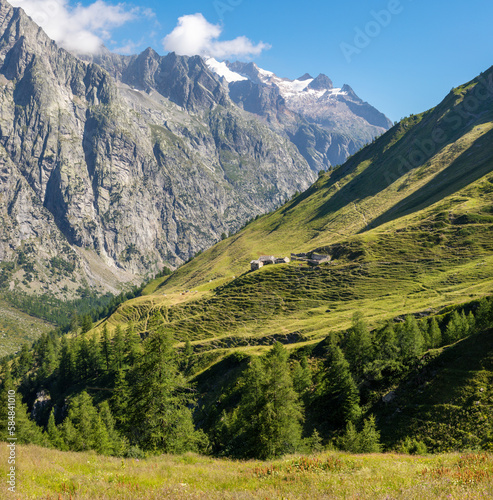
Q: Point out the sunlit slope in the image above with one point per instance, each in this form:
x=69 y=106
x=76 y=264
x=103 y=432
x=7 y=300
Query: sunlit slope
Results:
x=419 y=162
x=403 y=239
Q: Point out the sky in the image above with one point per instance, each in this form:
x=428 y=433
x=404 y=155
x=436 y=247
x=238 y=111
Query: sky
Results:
x=401 y=56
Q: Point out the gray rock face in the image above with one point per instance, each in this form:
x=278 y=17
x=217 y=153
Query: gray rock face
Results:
x=113 y=166
x=118 y=177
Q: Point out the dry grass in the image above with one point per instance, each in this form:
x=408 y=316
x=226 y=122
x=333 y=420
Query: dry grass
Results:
x=49 y=474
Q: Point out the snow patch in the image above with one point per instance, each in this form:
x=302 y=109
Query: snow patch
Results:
x=221 y=69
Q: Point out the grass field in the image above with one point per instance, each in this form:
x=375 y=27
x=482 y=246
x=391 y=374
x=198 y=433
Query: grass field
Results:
x=17 y=328
x=50 y=474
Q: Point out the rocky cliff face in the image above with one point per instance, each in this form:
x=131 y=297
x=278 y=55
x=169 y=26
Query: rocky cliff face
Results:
x=118 y=177
x=112 y=167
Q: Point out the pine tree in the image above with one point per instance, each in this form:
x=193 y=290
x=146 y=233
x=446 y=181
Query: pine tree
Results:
x=131 y=343
x=119 y=400
x=24 y=362
x=95 y=361
x=370 y=437
x=117 y=443
x=54 y=434
x=82 y=358
x=270 y=412
x=411 y=339
x=86 y=323
x=366 y=441
x=69 y=435
x=67 y=366
x=457 y=327
x=350 y=441
x=105 y=347
x=471 y=323
x=484 y=314
x=102 y=442
x=118 y=350
x=434 y=333
x=340 y=384
x=83 y=416
x=358 y=349
x=389 y=349
x=302 y=376
x=158 y=410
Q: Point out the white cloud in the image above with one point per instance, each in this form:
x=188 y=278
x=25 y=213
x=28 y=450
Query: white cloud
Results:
x=194 y=35
x=80 y=29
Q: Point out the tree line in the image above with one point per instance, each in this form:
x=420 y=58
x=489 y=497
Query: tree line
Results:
x=122 y=392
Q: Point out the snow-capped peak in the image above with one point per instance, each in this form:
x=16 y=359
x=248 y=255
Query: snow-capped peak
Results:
x=221 y=69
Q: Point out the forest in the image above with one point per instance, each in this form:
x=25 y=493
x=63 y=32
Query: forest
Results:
x=134 y=394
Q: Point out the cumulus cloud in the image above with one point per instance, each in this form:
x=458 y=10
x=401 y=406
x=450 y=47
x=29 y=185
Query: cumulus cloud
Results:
x=79 y=29
x=194 y=35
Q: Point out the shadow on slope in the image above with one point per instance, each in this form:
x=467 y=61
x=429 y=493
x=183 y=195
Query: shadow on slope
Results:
x=456 y=176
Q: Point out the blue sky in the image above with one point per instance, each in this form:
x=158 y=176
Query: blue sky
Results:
x=402 y=56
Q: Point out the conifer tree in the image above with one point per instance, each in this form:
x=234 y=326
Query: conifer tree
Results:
x=86 y=323
x=95 y=361
x=411 y=339
x=434 y=333
x=117 y=443
x=69 y=435
x=270 y=412
x=118 y=350
x=54 y=434
x=83 y=357
x=366 y=441
x=457 y=327
x=119 y=400
x=159 y=413
x=131 y=345
x=471 y=323
x=358 y=349
x=302 y=376
x=484 y=314
x=350 y=441
x=340 y=384
x=389 y=348
x=67 y=366
x=105 y=347
x=83 y=416
x=101 y=438
x=370 y=437
x=24 y=362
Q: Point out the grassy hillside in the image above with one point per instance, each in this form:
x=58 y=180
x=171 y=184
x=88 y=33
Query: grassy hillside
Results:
x=421 y=161
x=438 y=256
x=17 y=328
x=447 y=401
x=408 y=221
x=411 y=248
x=43 y=473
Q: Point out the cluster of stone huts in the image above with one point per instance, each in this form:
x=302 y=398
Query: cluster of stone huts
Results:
x=265 y=260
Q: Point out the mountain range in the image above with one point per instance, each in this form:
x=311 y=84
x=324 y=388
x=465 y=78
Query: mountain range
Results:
x=382 y=319
x=113 y=166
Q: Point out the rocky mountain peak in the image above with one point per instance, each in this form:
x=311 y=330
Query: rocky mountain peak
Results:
x=322 y=82
x=349 y=91
x=306 y=76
